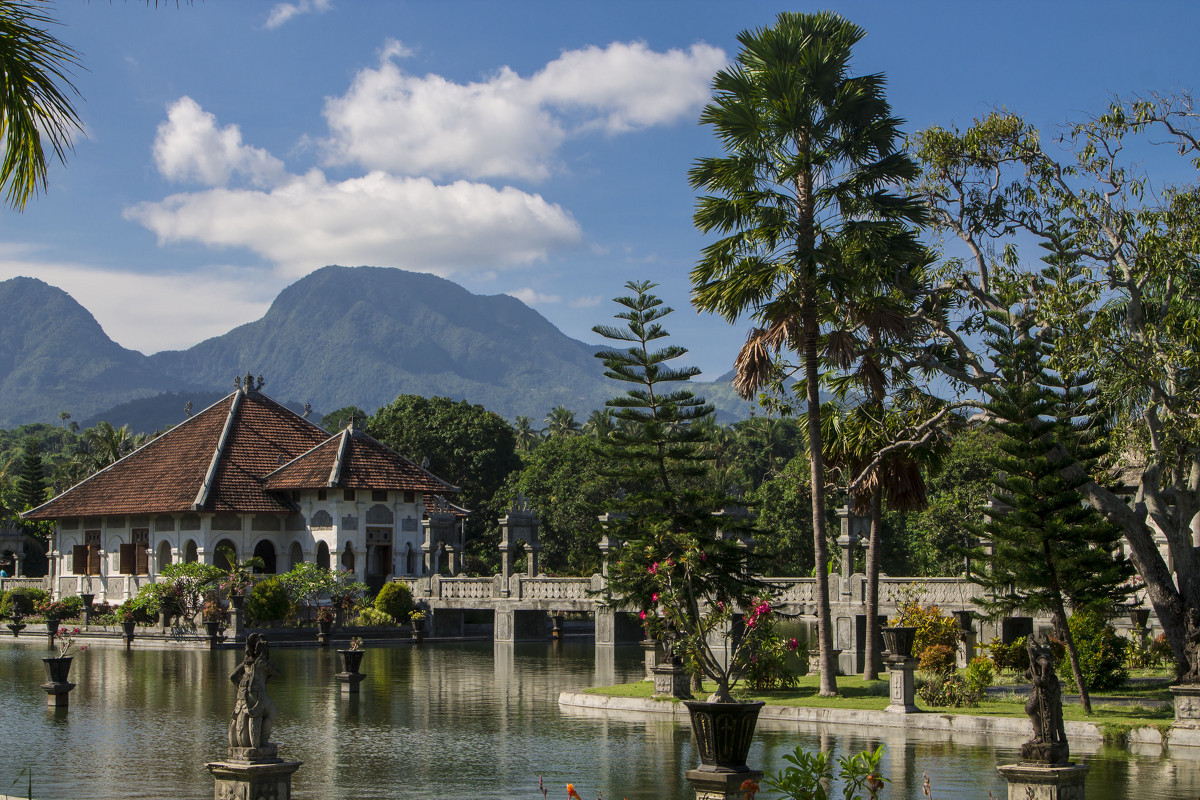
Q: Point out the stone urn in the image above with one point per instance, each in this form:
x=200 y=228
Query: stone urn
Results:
x=237 y=600
x=52 y=626
x=898 y=641
x=212 y=627
x=87 y=598
x=57 y=687
x=351 y=660
x=16 y=626
x=724 y=732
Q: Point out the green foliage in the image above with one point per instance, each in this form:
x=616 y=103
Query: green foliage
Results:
x=372 y=616
x=949 y=690
x=562 y=479
x=686 y=578
x=22 y=600
x=147 y=603
x=811 y=774
x=31 y=483
x=767 y=668
x=933 y=626
x=1101 y=652
x=335 y=421
x=269 y=601
x=783 y=531
x=936 y=659
x=395 y=599
x=202 y=575
x=307 y=581
x=979 y=675
x=1012 y=656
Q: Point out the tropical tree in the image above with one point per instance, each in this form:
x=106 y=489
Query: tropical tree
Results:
x=526 y=435
x=106 y=444
x=561 y=422
x=676 y=563
x=1127 y=313
x=31 y=480
x=1049 y=547
x=599 y=423
x=35 y=99
x=804 y=202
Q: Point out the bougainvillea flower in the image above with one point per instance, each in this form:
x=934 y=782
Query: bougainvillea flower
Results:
x=571 y=793
x=642 y=614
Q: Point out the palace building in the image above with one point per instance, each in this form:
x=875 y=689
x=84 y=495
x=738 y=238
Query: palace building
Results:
x=249 y=475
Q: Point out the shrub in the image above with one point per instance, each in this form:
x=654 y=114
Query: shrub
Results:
x=268 y=601
x=949 y=690
x=143 y=609
x=937 y=659
x=1012 y=656
x=369 y=616
x=933 y=626
x=395 y=599
x=72 y=605
x=22 y=600
x=767 y=666
x=1101 y=653
x=979 y=675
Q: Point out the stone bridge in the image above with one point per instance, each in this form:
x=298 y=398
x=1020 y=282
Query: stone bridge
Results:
x=525 y=608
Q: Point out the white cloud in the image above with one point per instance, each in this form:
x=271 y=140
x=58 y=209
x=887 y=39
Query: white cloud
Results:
x=590 y=301
x=282 y=12
x=156 y=312
x=508 y=126
x=190 y=146
x=378 y=219
x=532 y=298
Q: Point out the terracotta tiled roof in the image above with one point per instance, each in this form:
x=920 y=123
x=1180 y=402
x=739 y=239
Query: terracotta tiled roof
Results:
x=239 y=439
x=354 y=460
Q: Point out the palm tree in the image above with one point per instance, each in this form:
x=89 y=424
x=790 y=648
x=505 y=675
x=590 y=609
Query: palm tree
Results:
x=804 y=202
x=105 y=444
x=526 y=435
x=561 y=422
x=34 y=101
x=599 y=423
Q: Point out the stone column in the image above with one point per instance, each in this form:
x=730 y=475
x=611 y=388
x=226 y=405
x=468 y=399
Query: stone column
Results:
x=1040 y=782
x=606 y=626
x=1186 y=728
x=504 y=626
x=901 y=687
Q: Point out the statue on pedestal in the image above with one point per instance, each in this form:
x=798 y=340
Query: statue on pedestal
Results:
x=1044 y=707
x=1191 y=648
x=253 y=712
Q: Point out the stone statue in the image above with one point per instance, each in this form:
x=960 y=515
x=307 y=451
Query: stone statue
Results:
x=1044 y=707
x=1191 y=648
x=253 y=711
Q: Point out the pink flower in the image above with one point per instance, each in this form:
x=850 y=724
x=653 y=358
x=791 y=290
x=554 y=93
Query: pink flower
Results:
x=654 y=568
x=793 y=644
x=654 y=597
x=642 y=615
x=703 y=556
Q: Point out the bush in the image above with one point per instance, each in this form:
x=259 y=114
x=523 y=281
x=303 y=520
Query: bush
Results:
x=22 y=600
x=979 y=675
x=73 y=606
x=933 y=627
x=369 y=616
x=1101 y=653
x=269 y=601
x=1012 y=656
x=395 y=599
x=143 y=608
x=937 y=659
x=949 y=690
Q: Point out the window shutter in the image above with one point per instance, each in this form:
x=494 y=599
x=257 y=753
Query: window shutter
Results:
x=128 y=559
x=93 y=565
x=143 y=560
x=79 y=559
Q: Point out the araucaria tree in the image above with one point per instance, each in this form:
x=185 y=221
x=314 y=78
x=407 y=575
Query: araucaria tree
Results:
x=1050 y=548
x=804 y=200
x=680 y=563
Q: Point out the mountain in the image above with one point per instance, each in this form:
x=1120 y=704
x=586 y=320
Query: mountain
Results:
x=337 y=337
x=55 y=357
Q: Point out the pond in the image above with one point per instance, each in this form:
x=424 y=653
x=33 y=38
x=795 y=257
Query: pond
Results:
x=463 y=720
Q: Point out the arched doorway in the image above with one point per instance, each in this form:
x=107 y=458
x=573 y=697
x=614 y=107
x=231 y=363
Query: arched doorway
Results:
x=295 y=555
x=224 y=551
x=348 y=558
x=322 y=555
x=266 y=551
x=190 y=556
x=164 y=554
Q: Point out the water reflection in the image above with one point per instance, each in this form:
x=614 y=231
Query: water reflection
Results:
x=477 y=720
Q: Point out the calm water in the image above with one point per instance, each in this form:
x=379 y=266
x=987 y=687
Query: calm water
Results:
x=459 y=721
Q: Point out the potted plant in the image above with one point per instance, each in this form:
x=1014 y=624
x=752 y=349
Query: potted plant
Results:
x=682 y=562
x=324 y=623
x=352 y=656
x=215 y=616
x=128 y=623
x=239 y=577
x=58 y=667
x=417 y=620
x=54 y=612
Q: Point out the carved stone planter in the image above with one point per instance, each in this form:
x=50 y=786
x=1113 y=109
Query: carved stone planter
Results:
x=350 y=676
x=351 y=660
x=723 y=733
x=898 y=641
x=323 y=629
x=57 y=687
x=16 y=628
x=670 y=680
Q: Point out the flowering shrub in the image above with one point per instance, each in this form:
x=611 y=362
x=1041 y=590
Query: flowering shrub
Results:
x=979 y=675
x=325 y=615
x=766 y=664
x=937 y=659
x=949 y=690
x=933 y=626
x=65 y=640
x=54 y=609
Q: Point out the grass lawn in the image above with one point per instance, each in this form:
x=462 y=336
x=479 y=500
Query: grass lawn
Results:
x=855 y=693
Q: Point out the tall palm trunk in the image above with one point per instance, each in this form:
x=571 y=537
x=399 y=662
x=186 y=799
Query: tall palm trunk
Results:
x=817 y=463
x=871 y=658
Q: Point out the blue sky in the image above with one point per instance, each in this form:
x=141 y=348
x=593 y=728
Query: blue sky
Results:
x=538 y=149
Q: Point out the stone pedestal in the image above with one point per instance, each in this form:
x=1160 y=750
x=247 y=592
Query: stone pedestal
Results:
x=1039 y=782
x=1186 y=728
x=349 y=681
x=720 y=785
x=252 y=780
x=814 y=661
x=58 y=694
x=670 y=680
x=966 y=648
x=652 y=655
x=901 y=686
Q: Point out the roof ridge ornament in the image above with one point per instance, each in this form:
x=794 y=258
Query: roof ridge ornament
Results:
x=247 y=384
